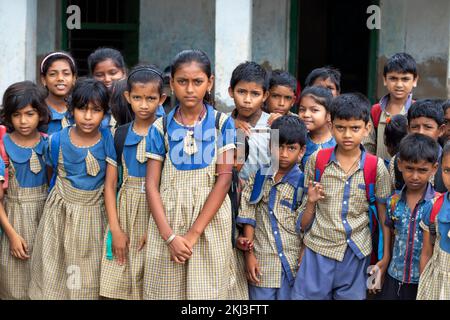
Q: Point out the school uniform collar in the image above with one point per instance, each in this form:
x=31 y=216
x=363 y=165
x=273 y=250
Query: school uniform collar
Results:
x=384 y=102
x=292 y=176
x=202 y=132
x=20 y=154
x=132 y=137
x=362 y=159
x=57 y=115
x=428 y=194
x=160 y=112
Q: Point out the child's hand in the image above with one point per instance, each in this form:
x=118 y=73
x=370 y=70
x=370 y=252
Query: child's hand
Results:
x=142 y=242
x=18 y=247
x=242 y=243
x=273 y=117
x=120 y=245
x=300 y=256
x=315 y=192
x=244 y=126
x=380 y=267
x=252 y=268
x=180 y=250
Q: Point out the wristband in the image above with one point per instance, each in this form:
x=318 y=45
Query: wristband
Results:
x=170 y=239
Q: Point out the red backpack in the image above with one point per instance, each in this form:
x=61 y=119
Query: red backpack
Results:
x=434 y=212
x=4 y=155
x=375 y=113
x=370 y=175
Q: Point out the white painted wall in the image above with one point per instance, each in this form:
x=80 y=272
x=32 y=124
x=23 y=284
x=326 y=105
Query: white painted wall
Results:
x=17 y=42
x=233 y=44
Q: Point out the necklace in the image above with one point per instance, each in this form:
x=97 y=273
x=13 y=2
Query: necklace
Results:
x=189 y=145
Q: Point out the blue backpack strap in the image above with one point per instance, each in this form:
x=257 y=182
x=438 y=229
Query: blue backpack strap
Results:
x=55 y=143
x=258 y=185
x=298 y=192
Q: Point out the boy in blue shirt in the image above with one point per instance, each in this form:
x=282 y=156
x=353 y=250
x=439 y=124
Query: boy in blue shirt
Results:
x=418 y=156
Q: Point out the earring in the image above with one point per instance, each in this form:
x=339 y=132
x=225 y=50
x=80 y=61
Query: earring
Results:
x=171 y=92
x=209 y=92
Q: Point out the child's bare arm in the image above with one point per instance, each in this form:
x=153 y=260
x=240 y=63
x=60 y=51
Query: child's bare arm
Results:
x=253 y=270
x=120 y=241
x=427 y=251
x=180 y=248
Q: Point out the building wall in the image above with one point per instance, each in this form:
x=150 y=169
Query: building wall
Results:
x=270 y=33
x=167 y=27
x=421 y=29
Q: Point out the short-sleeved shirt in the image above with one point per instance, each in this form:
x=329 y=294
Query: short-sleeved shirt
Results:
x=312 y=147
x=408 y=236
x=74 y=159
x=56 y=120
x=273 y=214
x=258 y=143
x=204 y=133
x=342 y=218
x=378 y=136
x=443 y=222
x=20 y=157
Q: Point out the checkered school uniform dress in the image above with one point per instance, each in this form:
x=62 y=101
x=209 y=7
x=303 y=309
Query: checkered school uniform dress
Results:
x=434 y=282
x=276 y=243
x=69 y=241
x=342 y=218
x=207 y=274
x=125 y=282
x=24 y=203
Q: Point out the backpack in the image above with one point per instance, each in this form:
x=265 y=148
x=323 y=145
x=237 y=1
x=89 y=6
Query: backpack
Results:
x=375 y=113
x=434 y=212
x=4 y=155
x=370 y=174
x=119 y=142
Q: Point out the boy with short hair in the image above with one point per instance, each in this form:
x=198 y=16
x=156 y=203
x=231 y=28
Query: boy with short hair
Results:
x=446 y=109
x=426 y=117
x=327 y=77
x=400 y=77
x=249 y=90
x=268 y=213
x=334 y=216
x=282 y=93
x=417 y=161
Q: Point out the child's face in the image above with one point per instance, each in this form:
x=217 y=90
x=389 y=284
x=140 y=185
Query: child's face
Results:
x=190 y=84
x=106 y=71
x=59 y=78
x=280 y=100
x=447 y=125
x=248 y=97
x=426 y=126
x=327 y=83
x=88 y=118
x=446 y=170
x=314 y=115
x=25 y=120
x=399 y=84
x=349 y=133
x=144 y=99
x=289 y=155
x=416 y=175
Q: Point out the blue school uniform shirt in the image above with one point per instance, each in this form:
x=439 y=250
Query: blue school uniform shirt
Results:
x=74 y=159
x=2 y=170
x=443 y=221
x=312 y=147
x=134 y=167
x=204 y=134
x=56 y=117
x=20 y=158
x=404 y=265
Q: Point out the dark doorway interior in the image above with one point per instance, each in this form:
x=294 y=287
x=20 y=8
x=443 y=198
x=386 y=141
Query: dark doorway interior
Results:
x=104 y=23
x=335 y=33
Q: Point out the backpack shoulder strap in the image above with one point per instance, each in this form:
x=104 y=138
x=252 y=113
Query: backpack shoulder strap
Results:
x=55 y=143
x=119 y=140
x=298 y=191
x=258 y=186
x=3 y=153
x=375 y=112
x=323 y=157
x=437 y=207
x=370 y=176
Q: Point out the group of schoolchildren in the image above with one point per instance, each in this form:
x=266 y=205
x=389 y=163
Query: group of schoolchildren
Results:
x=105 y=196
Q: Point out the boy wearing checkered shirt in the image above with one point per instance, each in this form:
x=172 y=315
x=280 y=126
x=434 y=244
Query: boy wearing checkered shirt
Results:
x=268 y=213
x=334 y=214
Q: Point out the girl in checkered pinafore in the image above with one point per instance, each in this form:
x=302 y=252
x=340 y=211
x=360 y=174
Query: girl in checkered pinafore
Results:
x=66 y=259
x=123 y=259
x=24 y=111
x=190 y=255
x=434 y=282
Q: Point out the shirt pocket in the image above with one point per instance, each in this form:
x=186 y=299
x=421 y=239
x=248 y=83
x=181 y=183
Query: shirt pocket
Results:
x=286 y=217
